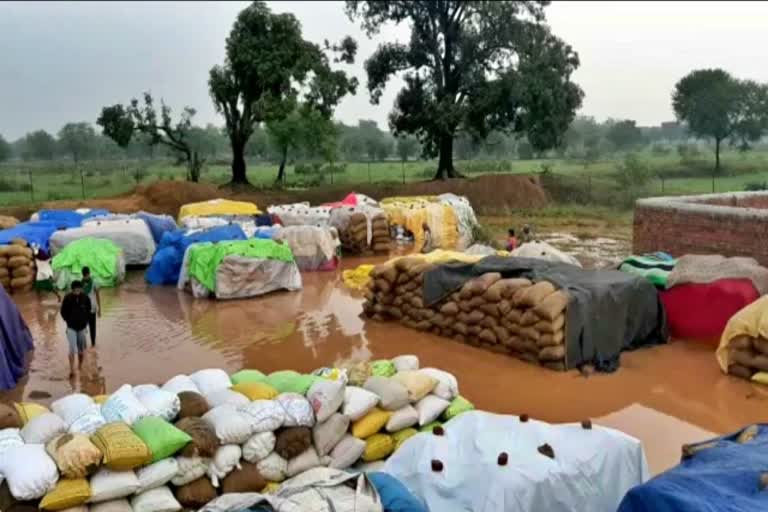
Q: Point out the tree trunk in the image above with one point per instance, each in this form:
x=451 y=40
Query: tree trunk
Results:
x=717 y=156
x=238 y=164
x=195 y=166
x=445 y=167
x=281 y=171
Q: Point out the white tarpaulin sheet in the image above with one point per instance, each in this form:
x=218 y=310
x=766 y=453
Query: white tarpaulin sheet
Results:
x=465 y=216
x=239 y=277
x=591 y=470
x=311 y=245
x=544 y=251
x=194 y=223
x=131 y=235
x=301 y=214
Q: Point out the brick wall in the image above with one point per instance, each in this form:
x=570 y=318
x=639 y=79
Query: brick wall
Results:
x=704 y=225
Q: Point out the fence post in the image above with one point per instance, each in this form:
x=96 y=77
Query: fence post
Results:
x=662 y=184
x=31 y=186
x=403 y=172
x=713 y=182
x=82 y=181
x=369 y=171
x=589 y=188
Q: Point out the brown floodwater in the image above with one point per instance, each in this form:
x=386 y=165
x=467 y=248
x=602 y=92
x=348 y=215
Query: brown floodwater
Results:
x=666 y=395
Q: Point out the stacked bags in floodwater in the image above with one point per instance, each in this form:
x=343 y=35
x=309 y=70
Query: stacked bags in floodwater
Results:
x=17 y=266
x=362 y=228
x=512 y=316
x=148 y=448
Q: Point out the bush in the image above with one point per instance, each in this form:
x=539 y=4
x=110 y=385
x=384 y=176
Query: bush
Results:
x=755 y=186
x=633 y=172
x=660 y=149
x=14 y=186
x=525 y=150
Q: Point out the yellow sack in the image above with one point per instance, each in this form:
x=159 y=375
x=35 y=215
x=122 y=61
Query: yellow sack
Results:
x=752 y=321
x=402 y=436
x=418 y=384
x=100 y=399
x=271 y=488
x=122 y=449
x=358 y=278
x=370 y=423
x=760 y=377
x=255 y=390
x=67 y=493
x=75 y=455
x=218 y=207
x=377 y=447
x=29 y=410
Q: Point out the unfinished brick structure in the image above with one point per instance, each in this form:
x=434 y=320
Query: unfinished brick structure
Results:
x=731 y=224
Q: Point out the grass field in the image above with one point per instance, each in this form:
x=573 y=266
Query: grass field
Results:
x=22 y=183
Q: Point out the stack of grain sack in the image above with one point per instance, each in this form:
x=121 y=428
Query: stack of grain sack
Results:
x=362 y=229
x=152 y=448
x=17 y=266
x=513 y=316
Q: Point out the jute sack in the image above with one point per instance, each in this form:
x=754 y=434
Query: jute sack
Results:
x=552 y=306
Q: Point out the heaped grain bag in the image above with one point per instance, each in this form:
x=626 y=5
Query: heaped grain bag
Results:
x=123 y=405
x=29 y=471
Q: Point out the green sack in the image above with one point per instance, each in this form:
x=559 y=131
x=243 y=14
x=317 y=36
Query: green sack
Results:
x=244 y=376
x=162 y=438
x=289 y=381
x=459 y=405
x=383 y=368
x=402 y=436
x=429 y=426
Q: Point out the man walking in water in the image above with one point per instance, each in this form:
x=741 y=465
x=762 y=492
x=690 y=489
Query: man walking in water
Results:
x=92 y=291
x=76 y=310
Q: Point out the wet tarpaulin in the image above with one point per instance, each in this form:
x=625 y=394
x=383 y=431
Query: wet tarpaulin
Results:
x=609 y=311
x=15 y=340
x=725 y=474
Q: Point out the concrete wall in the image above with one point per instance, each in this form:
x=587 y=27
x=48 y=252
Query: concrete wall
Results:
x=733 y=224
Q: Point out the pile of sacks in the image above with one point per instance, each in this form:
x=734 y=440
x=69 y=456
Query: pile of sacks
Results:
x=17 y=266
x=513 y=316
x=357 y=235
x=149 y=449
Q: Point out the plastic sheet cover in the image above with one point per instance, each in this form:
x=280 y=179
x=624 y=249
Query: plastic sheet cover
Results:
x=131 y=235
x=103 y=257
x=218 y=207
x=15 y=342
x=35 y=233
x=591 y=470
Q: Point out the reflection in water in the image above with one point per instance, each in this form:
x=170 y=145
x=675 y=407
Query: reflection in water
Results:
x=149 y=334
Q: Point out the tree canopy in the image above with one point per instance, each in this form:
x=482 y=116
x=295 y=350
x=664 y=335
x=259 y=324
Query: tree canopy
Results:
x=407 y=147
x=473 y=66
x=5 y=150
x=78 y=140
x=268 y=64
x=624 y=134
x=120 y=123
x=39 y=145
x=716 y=105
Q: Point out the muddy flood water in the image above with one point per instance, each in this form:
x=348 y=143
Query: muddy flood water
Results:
x=666 y=395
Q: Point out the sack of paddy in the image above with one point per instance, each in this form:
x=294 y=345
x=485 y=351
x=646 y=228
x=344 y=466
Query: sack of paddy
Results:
x=120 y=505
x=402 y=418
x=121 y=448
x=9 y=438
x=209 y=380
x=326 y=435
x=263 y=415
x=227 y=458
x=156 y=474
x=259 y=446
x=43 y=428
x=391 y=393
x=346 y=452
x=109 y=485
x=204 y=441
x=255 y=390
x=298 y=410
x=180 y=383
x=190 y=469
x=291 y=442
x=247 y=376
x=9 y=417
x=230 y=425
x=430 y=408
x=123 y=405
x=247 y=478
x=547 y=327
x=71 y=407
x=67 y=493
x=192 y=405
x=378 y=447
x=23 y=271
x=75 y=455
x=553 y=353
x=447 y=386
x=459 y=405
x=273 y=467
x=478 y=285
x=289 y=381
x=162 y=438
x=418 y=384
x=28 y=470
x=371 y=423
x=358 y=402
x=533 y=295
x=160 y=499
x=18 y=261
x=383 y=368
x=407 y=362
x=326 y=397
x=196 y=494
x=303 y=462
x=225 y=396
x=88 y=423
x=161 y=403
x=552 y=305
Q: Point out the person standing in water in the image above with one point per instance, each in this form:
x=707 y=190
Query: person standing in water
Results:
x=75 y=310
x=92 y=291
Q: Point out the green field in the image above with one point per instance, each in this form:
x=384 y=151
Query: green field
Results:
x=25 y=182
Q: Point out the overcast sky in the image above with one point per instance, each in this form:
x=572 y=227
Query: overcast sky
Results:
x=63 y=61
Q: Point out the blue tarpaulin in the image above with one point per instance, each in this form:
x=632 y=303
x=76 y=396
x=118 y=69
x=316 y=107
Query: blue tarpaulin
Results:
x=69 y=218
x=158 y=224
x=33 y=232
x=15 y=342
x=722 y=475
x=166 y=263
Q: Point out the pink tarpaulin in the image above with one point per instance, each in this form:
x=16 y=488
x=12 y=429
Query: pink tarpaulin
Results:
x=349 y=200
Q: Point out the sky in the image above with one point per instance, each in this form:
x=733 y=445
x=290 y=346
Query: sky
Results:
x=63 y=61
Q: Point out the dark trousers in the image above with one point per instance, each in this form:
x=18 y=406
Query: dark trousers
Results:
x=92 y=328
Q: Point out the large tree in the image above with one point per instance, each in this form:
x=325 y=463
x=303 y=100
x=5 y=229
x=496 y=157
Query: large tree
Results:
x=474 y=66
x=268 y=65
x=5 y=150
x=624 y=134
x=39 y=145
x=121 y=123
x=304 y=128
x=715 y=105
x=78 y=139
x=407 y=147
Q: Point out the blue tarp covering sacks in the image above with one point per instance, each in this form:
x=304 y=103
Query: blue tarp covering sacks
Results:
x=166 y=263
x=721 y=475
x=33 y=232
x=158 y=224
x=69 y=218
x=15 y=342
x=395 y=497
